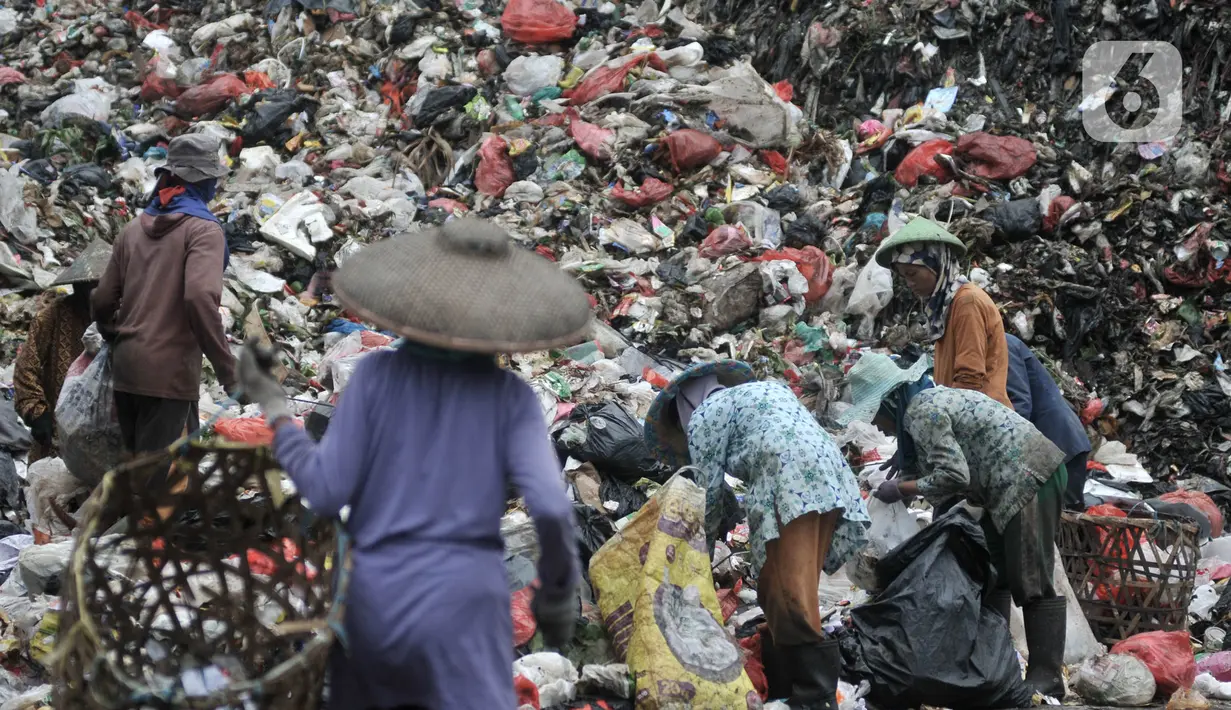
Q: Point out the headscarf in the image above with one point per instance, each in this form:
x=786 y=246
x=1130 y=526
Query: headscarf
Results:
x=190 y=198
x=692 y=393
x=939 y=259
x=894 y=406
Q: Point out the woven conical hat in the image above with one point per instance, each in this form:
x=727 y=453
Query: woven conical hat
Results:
x=465 y=286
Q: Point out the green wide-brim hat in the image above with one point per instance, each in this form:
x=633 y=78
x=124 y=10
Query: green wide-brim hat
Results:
x=874 y=378
x=664 y=436
x=88 y=266
x=918 y=230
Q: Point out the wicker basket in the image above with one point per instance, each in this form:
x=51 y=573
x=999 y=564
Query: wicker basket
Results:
x=1130 y=575
x=228 y=603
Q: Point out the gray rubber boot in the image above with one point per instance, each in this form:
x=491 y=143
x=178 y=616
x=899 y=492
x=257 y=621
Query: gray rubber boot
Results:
x=1045 y=632
x=815 y=668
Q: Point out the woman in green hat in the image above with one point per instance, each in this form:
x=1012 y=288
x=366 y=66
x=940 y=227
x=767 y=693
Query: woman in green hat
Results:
x=961 y=318
x=805 y=514
x=957 y=444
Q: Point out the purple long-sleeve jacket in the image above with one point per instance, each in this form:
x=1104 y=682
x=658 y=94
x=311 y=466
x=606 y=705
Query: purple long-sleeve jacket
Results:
x=424 y=451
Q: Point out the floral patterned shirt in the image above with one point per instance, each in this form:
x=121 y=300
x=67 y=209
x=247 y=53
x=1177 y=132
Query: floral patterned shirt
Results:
x=761 y=434
x=969 y=445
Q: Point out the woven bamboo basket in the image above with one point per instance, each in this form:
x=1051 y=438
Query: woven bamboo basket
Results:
x=232 y=601
x=1130 y=575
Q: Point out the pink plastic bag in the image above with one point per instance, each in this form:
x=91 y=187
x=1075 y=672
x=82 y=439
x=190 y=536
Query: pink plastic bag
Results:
x=1217 y=665
x=726 y=239
x=651 y=192
x=537 y=21
x=495 y=171
x=593 y=140
x=1168 y=655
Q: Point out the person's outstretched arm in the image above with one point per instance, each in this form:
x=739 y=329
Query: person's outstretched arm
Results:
x=534 y=470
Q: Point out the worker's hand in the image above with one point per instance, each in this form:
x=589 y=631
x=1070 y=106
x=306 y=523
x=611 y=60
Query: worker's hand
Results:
x=258 y=383
x=43 y=428
x=556 y=619
x=893 y=466
x=888 y=492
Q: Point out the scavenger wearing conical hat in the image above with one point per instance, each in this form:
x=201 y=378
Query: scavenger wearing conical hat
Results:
x=918 y=230
x=88 y=266
x=465 y=286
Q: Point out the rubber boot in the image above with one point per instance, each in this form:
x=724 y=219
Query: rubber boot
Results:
x=814 y=669
x=777 y=675
x=999 y=601
x=1045 y=622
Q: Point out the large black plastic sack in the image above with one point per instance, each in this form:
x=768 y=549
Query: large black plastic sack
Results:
x=614 y=444
x=926 y=639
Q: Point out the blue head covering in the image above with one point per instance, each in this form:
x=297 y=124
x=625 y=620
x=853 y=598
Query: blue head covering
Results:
x=895 y=406
x=193 y=201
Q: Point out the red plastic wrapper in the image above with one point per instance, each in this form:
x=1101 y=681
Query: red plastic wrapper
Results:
x=1168 y=655
x=524 y=625
x=651 y=192
x=724 y=240
x=813 y=265
x=592 y=139
x=691 y=149
x=922 y=161
x=527 y=692
x=211 y=96
x=996 y=157
x=785 y=91
x=537 y=21
x=1055 y=211
x=728 y=600
x=495 y=172
x=245 y=430
x=776 y=162
x=257 y=80
x=610 y=79
x=1201 y=502
x=1093 y=410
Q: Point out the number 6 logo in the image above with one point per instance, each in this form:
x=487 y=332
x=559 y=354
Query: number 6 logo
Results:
x=1100 y=67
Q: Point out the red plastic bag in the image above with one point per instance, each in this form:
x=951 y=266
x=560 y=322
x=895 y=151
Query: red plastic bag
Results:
x=996 y=157
x=1201 y=502
x=651 y=192
x=537 y=21
x=922 y=161
x=495 y=172
x=245 y=430
x=813 y=265
x=527 y=692
x=784 y=90
x=257 y=80
x=592 y=139
x=211 y=96
x=1055 y=211
x=754 y=666
x=1122 y=547
x=524 y=625
x=1168 y=655
x=156 y=87
x=726 y=239
x=609 y=79
x=691 y=149
x=776 y=161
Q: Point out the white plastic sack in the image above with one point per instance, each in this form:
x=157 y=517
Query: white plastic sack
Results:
x=873 y=291
x=50 y=480
x=1080 y=643
x=529 y=73
x=892 y=525
x=555 y=676
x=90 y=441
x=20 y=219
x=1114 y=680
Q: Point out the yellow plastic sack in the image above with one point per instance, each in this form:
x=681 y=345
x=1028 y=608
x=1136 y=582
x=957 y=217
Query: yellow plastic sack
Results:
x=656 y=595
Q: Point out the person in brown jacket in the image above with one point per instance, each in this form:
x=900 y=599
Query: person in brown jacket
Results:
x=158 y=301
x=971 y=352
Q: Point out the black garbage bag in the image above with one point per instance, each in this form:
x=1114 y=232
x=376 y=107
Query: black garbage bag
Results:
x=623 y=494
x=440 y=101
x=1016 y=219
x=593 y=530
x=269 y=112
x=805 y=231
x=613 y=443
x=926 y=639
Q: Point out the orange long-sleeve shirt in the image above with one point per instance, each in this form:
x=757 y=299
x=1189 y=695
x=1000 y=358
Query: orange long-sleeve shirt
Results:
x=973 y=354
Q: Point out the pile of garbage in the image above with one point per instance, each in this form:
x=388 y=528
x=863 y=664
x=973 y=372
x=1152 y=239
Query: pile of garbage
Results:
x=717 y=174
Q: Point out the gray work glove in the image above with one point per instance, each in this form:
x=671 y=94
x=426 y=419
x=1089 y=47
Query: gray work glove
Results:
x=888 y=492
x=556 y=619
x=258 y=383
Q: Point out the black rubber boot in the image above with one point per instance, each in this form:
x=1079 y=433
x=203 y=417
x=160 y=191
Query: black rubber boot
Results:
x=1045 y=630
x=814 y=669
x=999 y=601
x=777 y=674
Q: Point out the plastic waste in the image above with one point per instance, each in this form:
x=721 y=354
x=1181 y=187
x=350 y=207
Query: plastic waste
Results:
x=529 y=73
x=495 y=172
x=1114 y=680
x=690 y=149
x=537 y=22
x=1168 y=655
x=90 y=441
x=922 y=161
x=553 y=674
